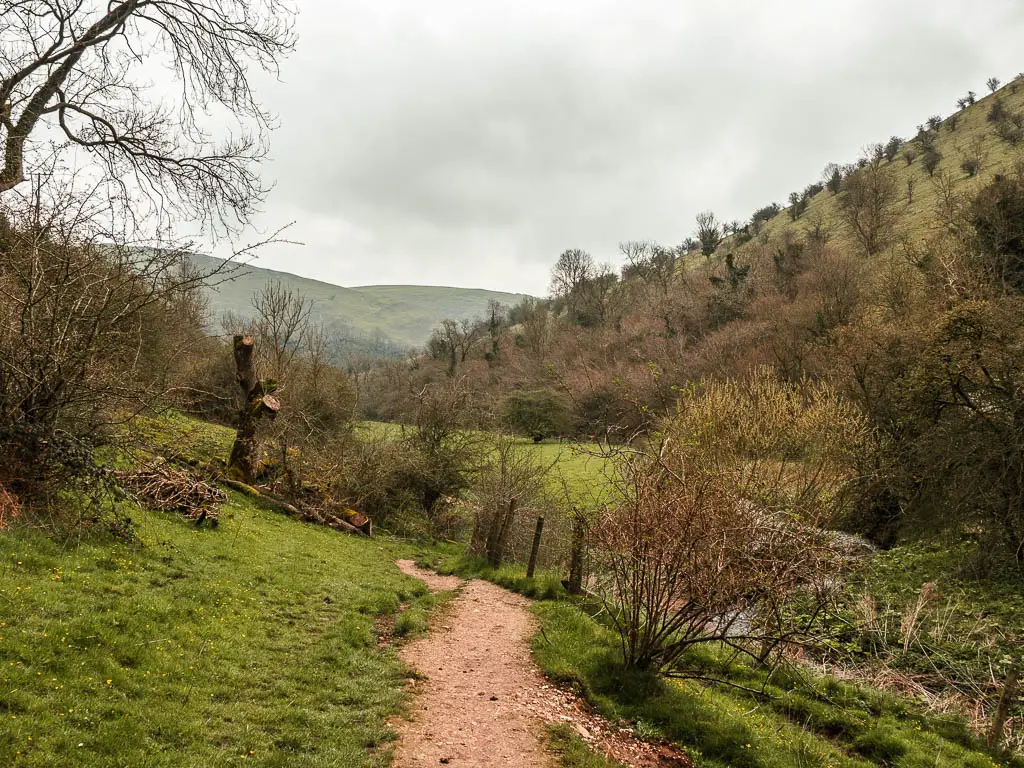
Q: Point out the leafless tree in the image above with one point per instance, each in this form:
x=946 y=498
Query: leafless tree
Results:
x=281 y=324
x=454 y=340
x=596 y=301
x=81 y=71
x=714 y=531
x=832 y=177
x=709 y=232
x=90 y=332
x=510 y=484
x=637 y=257
x=867 y=205
x=573 y=268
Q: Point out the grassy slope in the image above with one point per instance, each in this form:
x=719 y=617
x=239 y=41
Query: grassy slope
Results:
x=918 y=218
x=252 y=642
x=404 y=313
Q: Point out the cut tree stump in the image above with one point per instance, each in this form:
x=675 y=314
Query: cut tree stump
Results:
x=259 y=402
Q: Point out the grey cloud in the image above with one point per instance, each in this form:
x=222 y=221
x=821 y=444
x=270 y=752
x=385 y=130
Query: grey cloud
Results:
x=470 y=142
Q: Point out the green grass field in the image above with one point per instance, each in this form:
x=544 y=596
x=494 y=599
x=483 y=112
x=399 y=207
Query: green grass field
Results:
x=256 y=643
x=582 y=465
x=250 y=643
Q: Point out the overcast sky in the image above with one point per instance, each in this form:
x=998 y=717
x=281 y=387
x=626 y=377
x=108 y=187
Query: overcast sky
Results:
x=469 y=142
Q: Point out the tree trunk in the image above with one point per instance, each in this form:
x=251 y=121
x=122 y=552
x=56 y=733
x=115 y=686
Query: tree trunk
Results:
x=497 y=538
x=258 y=402
x=481 y=533
x=1006 y=697
x=535 y=548
x=574 y=585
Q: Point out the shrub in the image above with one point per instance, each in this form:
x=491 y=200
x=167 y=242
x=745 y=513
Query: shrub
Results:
x=892 y=148
x=538 y=414
x=717 y=521
x=971 y=166
x=1011 y=129
x=766 y=213
x=997 y=216
x=931 y=159
x=89 y=335
x=997 y=112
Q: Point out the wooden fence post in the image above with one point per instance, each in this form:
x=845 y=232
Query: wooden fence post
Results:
x=536 y=547
x=574 y=585
x=497 y=539
x=1006 y=697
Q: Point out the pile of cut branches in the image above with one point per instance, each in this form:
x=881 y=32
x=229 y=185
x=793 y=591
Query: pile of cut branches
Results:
x=169 y=489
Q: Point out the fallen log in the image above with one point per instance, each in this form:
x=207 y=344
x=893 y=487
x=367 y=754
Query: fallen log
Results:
x=356 y=522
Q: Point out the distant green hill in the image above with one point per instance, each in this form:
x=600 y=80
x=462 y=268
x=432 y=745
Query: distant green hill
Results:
x=372 y=316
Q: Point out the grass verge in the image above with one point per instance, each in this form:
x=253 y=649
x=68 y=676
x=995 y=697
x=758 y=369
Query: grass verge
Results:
x=573 y=752
x=808 y=721
x=253 y=643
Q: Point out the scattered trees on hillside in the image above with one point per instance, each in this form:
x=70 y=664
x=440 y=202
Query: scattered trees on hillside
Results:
x=923 y=335
x=867 y=206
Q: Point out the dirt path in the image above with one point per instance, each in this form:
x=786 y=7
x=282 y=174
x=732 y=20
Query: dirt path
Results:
x=481 y=701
